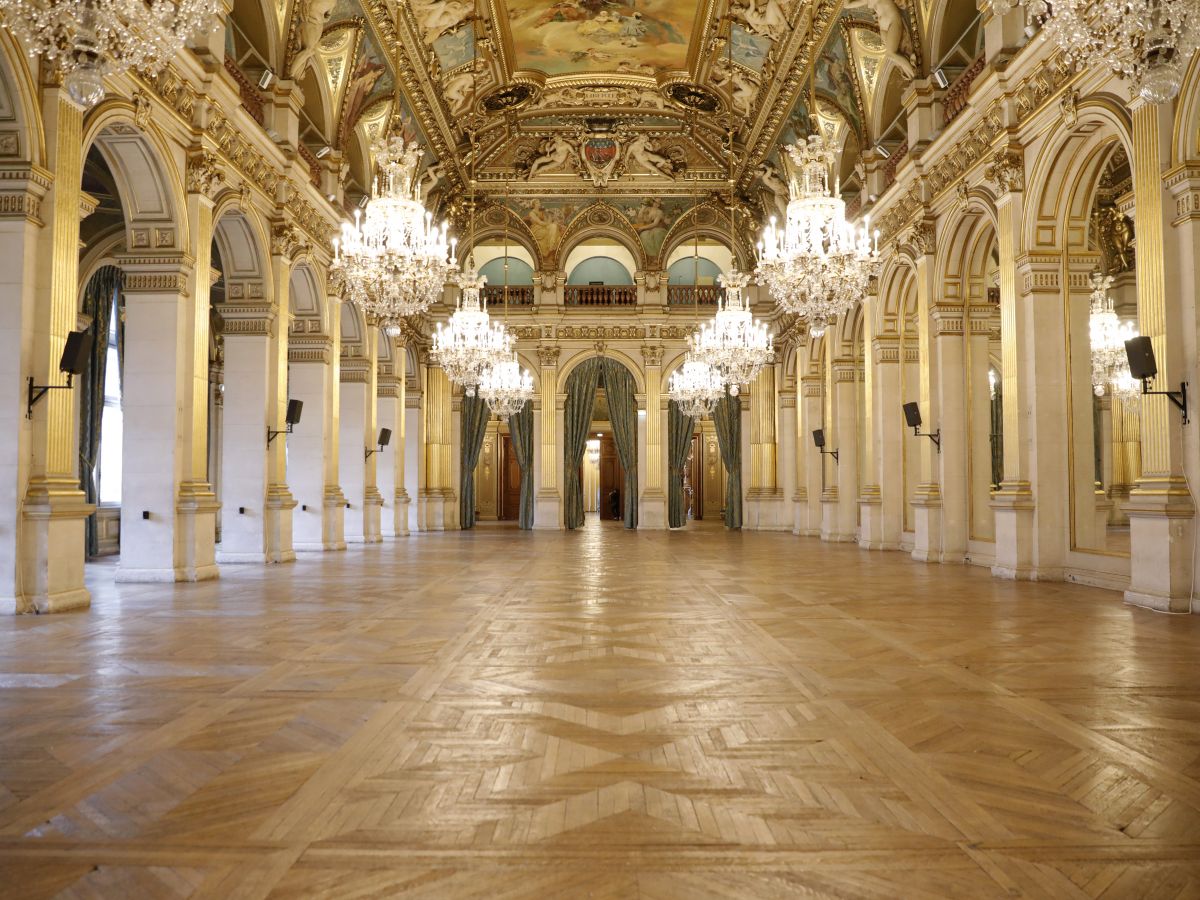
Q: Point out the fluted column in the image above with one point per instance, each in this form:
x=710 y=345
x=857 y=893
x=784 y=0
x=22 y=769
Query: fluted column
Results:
x=812 y=417
x=927 y=498
x=653 y=502
x=389 y=415
x=1162 y=516
x=979 y=325
x=764 y=499
x=400 y=498
x=840 y=500
x=548 y=502
x=437 y=499
x=53 y=508
x=887 y=397
x=949 y=350
x=870 y=498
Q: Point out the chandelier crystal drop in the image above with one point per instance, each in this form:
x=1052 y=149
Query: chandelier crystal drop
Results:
x=819 y=265
x=733 y=343
x=1149 y=42
x=393 y=262
x=506 y=387
x=697 y=387
x=1107 y=334
x=84 y=40
x=470 y=343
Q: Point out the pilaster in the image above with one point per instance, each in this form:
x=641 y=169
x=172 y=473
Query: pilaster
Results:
x=548 y=501
x=652 y=511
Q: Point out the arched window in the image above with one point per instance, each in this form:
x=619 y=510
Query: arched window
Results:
x=600 y=270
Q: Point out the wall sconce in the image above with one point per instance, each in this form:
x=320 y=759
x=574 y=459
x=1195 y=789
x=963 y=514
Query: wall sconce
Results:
x=73 y=361
x=912 y=415
x=1142 y=366
x=295 y=407
x=819 y=440
x=385 y=438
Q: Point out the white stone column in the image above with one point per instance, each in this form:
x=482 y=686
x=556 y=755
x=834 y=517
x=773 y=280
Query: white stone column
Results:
x=870 y=498
x=50 y=546
x=652 y=512
x=952 y=421
x=401 y=499
x=358 y=433
x=764 y=508
x=927 y=499
x=158 y=540
x=887 y=400
x=388 y=415
x=318 y=520
x=414 y=449
x=980 y=320
x=437 y=501
x=812 y=400
x=840 y=521
x=21 y=192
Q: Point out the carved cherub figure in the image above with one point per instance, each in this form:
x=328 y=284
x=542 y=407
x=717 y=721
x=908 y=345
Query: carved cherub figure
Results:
x=312 y=24
x=553 y=154
x=891 y=29
x=640 y=152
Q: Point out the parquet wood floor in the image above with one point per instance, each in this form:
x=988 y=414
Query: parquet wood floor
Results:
x=601 y=714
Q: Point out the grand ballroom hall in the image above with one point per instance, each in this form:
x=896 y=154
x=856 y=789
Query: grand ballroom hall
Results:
x=702 y=449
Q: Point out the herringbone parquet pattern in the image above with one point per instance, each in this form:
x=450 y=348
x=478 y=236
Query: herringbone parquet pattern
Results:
x=601 y=714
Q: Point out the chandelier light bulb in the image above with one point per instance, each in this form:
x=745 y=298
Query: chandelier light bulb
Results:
x=1107 y=336
x=818 y=265
x=84 y=40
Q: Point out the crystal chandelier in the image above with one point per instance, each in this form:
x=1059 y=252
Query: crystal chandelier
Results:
x=506 y=387
x=394 y=261
x=819 y=265
x=84 y=40
x=470 y=343
x=696 y=387
x=733 y=343
x=1107 y=334
x=1149 y=42
x=1124 y=386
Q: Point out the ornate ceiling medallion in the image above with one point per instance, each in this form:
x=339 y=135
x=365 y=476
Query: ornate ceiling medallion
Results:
x=692 y=96
x=508 y=99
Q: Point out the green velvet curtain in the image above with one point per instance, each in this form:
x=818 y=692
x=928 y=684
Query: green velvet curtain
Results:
x=622 y=410
x=520 y=428
x=98 y=297
x=577 y=417
x=727 y=418
x=475 y=415
x=679 y=441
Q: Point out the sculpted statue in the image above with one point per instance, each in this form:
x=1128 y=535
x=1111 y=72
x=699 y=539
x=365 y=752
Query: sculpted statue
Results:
x=457 y=88
x=766 y=18
x=440 y=16
x=741 y=86
x=312 y=23
x=639 y=151
x=552 y=154
x=891 y=29
x=776 y=186
x=430 y=178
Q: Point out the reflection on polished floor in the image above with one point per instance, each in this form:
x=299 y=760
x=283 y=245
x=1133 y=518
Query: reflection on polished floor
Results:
x=601 y=714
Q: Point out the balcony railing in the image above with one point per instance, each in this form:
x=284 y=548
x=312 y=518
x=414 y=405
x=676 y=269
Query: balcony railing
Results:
x=251 y=99
x=955 y=99
x=314 y=164
x=600 y=295
x=518 y=295
x=694 y=294
x=892 y=163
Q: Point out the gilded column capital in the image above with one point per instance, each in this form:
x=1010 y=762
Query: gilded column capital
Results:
x=287 y=240
x=1006 y=169
x=155 y=274
x=203 y=173
x=652 y=355
x=548 y=356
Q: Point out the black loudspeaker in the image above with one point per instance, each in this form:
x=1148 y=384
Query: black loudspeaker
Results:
x=819 y=438
x=75 y=353
x=294 y=409
x=1140 y=352
x=385 y=436
x=912 y=415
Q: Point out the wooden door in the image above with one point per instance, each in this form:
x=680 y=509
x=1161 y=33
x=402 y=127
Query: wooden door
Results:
x=510 y=482
x=694 y=486
x=612 y=480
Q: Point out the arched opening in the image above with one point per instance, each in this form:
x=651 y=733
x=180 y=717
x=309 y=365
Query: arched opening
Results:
x=601 y=405
x=599 y=270
x=600 y=273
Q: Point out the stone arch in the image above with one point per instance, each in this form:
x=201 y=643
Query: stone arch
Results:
x=1185 y=144
x=256 y=19
x=241 y=240
x=704 y=222
x=354 y=331
x=897 y=297
x=600 y=221
x=620 y=356
x=148 y=183
x=1057 y=219
x=306 y=298
x=517 y=237
x=529 y=362
x=961 y=264
x=22 y=135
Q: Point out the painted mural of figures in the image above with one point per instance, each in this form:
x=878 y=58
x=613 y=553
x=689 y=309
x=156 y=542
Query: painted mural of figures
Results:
x=765 y=17
x=457 y=88
x=552 y=154
x=891 y=29
x=777 y=188
x=545 y=225
x=362 y=82
x=651 y=225
x=640 y=152
x=440 y=16
x=312 y=23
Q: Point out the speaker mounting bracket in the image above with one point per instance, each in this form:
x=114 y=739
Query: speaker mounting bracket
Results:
x=1179 y=397
x=38 y=391
x=272 y=433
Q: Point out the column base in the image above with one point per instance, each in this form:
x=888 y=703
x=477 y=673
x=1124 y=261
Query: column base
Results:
x=765 y=511
x=927 y=513
x=831 y=518
x=51 y=549
x=652 y=511
x=166 y=576
x=435 y=510
x=400 y=514
x=1161 y=523
x=196 y=511
x=1013 y=505
x=547 y=510
x=870 y=506
x=277 y=523
x=333 y=519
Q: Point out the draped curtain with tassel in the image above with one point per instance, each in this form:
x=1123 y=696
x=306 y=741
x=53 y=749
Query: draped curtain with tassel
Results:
x=98 y=297
x=679 y=441
x=475 y=415
x=520 y=427
x=577 y=417
x=727 y=418
x=622 y=409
